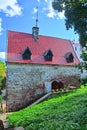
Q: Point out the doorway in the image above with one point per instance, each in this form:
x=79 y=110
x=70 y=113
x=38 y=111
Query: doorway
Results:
x=57 y=85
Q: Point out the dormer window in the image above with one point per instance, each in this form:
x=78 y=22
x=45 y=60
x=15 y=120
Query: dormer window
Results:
x=26 y=54
x=48 y=55
x=69 y=57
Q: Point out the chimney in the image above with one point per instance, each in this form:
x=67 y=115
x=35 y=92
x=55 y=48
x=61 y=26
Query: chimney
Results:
x=35 y=29
x=35 y=32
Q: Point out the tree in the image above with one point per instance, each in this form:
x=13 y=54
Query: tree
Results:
x=75 y=16
x=83 y=65
x=2 y=75
x=2 y=68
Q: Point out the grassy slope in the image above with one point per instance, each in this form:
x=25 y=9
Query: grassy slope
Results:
x=65 y=112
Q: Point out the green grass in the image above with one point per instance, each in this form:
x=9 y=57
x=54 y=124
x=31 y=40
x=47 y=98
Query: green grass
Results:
x=64 y=112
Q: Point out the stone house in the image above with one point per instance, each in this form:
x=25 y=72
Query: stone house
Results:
x=36 y=64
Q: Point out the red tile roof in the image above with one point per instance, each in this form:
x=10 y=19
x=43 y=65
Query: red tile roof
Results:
x=18 y=41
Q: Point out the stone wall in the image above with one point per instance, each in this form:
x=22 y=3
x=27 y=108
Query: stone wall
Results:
x=26 y=82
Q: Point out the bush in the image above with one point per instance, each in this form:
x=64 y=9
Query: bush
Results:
x=2 y=83
x=84 y=81
x=64 y=112
x=2 y=68
x=2 y=74
x=1 y=100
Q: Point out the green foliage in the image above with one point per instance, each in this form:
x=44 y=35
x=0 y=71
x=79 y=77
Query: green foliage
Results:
x=84 y=55
x=76 y=16
x=83 y=65
x=2 y=68
x=64 y=112
x=84 y=81
x=2 y=73
x=1 y=83
x=1 y=98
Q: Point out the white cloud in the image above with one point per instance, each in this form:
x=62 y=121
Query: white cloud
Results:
x=35 y=10
x=10 y=7
x=49 y=9
x=2 y=55
x=50 y=12
x=1 y=29
x=38 y=0
x=61 y=15
x=46 y=0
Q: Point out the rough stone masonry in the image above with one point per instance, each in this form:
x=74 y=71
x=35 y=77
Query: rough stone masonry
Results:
x=27 y=82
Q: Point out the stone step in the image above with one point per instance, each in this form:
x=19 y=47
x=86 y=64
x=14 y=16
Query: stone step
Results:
x=41 y=99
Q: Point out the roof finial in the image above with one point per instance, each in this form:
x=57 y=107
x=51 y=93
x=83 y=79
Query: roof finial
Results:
x=35 y=29
x=36 y=16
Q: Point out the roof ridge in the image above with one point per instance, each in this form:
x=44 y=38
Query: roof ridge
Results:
x=39 y=35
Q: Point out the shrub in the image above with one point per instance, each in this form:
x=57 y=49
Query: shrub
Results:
x=2 y=68
x=84 y=81
x=65 y=112
x=1 y=101
x=1 y=98
x=2 y=74
x=2 y=83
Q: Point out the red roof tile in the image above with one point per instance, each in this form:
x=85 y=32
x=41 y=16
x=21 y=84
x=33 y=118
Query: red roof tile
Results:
x=18 y=41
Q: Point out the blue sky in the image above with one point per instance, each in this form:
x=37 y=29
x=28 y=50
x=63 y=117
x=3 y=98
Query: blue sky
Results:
x=20 y=15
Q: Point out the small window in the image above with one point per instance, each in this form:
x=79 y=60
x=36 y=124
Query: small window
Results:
x=75 y=48
x=69 y=57
x=26 y=54
x=48 y=55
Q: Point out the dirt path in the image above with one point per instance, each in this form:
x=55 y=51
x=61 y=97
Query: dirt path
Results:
x=3 y=118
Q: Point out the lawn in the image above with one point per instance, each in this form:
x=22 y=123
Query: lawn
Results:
x=64 y=112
